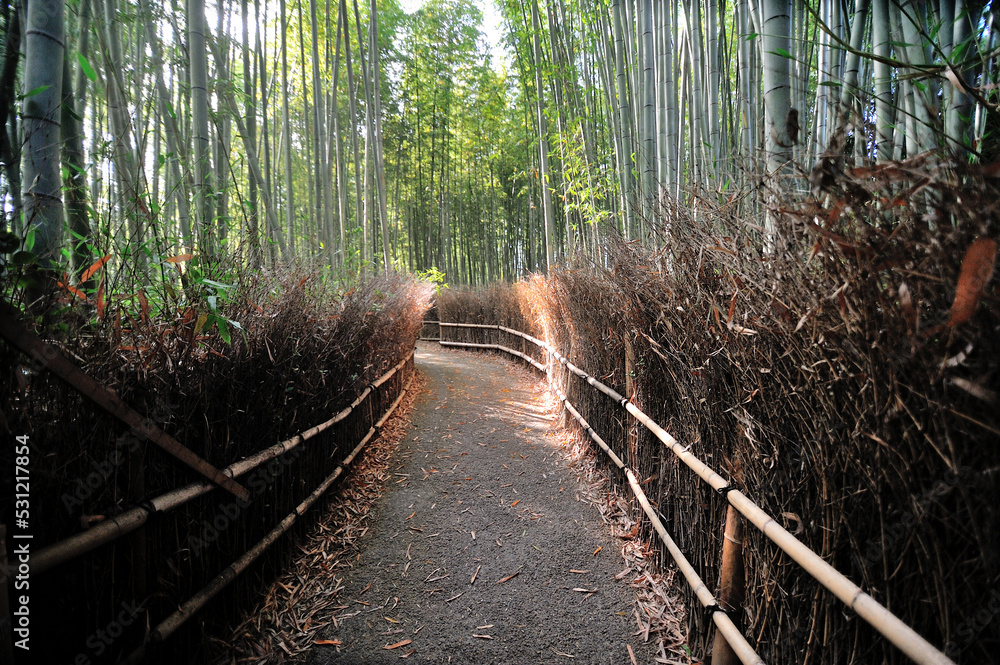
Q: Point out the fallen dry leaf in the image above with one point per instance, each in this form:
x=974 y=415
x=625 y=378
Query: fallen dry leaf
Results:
x=509 y=577
x=401 y=643
x=334 y=643
x=977 y=267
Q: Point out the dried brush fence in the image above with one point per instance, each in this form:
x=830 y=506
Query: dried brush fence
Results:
x=431 y=329
x=886 y=623
x=846 y=383
x=129 y=547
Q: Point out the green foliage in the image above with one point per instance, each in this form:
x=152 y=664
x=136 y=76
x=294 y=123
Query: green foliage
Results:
x=215 y=295
x=36 y=91
x=87 y=69
x=435 y=277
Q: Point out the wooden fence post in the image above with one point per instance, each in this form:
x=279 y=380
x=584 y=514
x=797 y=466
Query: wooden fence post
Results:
x=631 y=425
x=732 y=585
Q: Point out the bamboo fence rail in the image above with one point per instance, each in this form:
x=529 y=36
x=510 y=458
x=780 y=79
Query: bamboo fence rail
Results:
x=425 y=338
x=167 y=627
x=877 y=615
x=113 y=528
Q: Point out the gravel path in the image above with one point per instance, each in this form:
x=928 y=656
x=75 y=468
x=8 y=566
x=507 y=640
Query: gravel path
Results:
x=480 y=552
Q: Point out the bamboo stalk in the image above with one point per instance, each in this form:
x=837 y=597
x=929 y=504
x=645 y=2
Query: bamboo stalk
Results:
x=115 y=527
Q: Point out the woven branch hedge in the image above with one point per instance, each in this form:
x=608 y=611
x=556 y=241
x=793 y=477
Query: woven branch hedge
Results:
x=306 y=351
x=846 y=380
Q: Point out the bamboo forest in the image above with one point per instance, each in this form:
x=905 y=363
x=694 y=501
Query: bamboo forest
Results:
x=500 y=289
x=366 y=136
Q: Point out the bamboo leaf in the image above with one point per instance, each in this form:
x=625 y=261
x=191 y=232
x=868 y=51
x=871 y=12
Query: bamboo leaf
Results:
x=71 y=289
x=218 y=285
x=144 y=307
x=37 y=91
x=23 y=257
x=97 y=265
x=223 y=326
x=977 y=268
x=86 y=68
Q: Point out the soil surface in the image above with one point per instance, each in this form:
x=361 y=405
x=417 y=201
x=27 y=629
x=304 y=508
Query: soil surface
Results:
x=481 y=552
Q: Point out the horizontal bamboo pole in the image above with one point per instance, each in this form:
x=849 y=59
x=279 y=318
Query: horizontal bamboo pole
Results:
x=469 y=344
x=523 y=356
x=878 y=616
x=498 y=347
x=115 y=527
x=169 y=625
x=590 y=430
x=723 y=623
x=468 y=325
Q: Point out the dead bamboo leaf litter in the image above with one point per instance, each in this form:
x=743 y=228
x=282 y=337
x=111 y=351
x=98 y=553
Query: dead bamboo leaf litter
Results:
x=285 y=624
x=489 y=476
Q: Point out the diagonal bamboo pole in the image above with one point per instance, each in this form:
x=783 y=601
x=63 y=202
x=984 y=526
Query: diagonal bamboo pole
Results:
x=22 y=339
x=169 y=625
x=130 y=520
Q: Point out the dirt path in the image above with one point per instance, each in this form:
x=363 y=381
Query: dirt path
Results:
x=481 y=552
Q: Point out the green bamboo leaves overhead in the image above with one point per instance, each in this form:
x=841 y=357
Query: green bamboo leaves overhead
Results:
x=364 y=137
